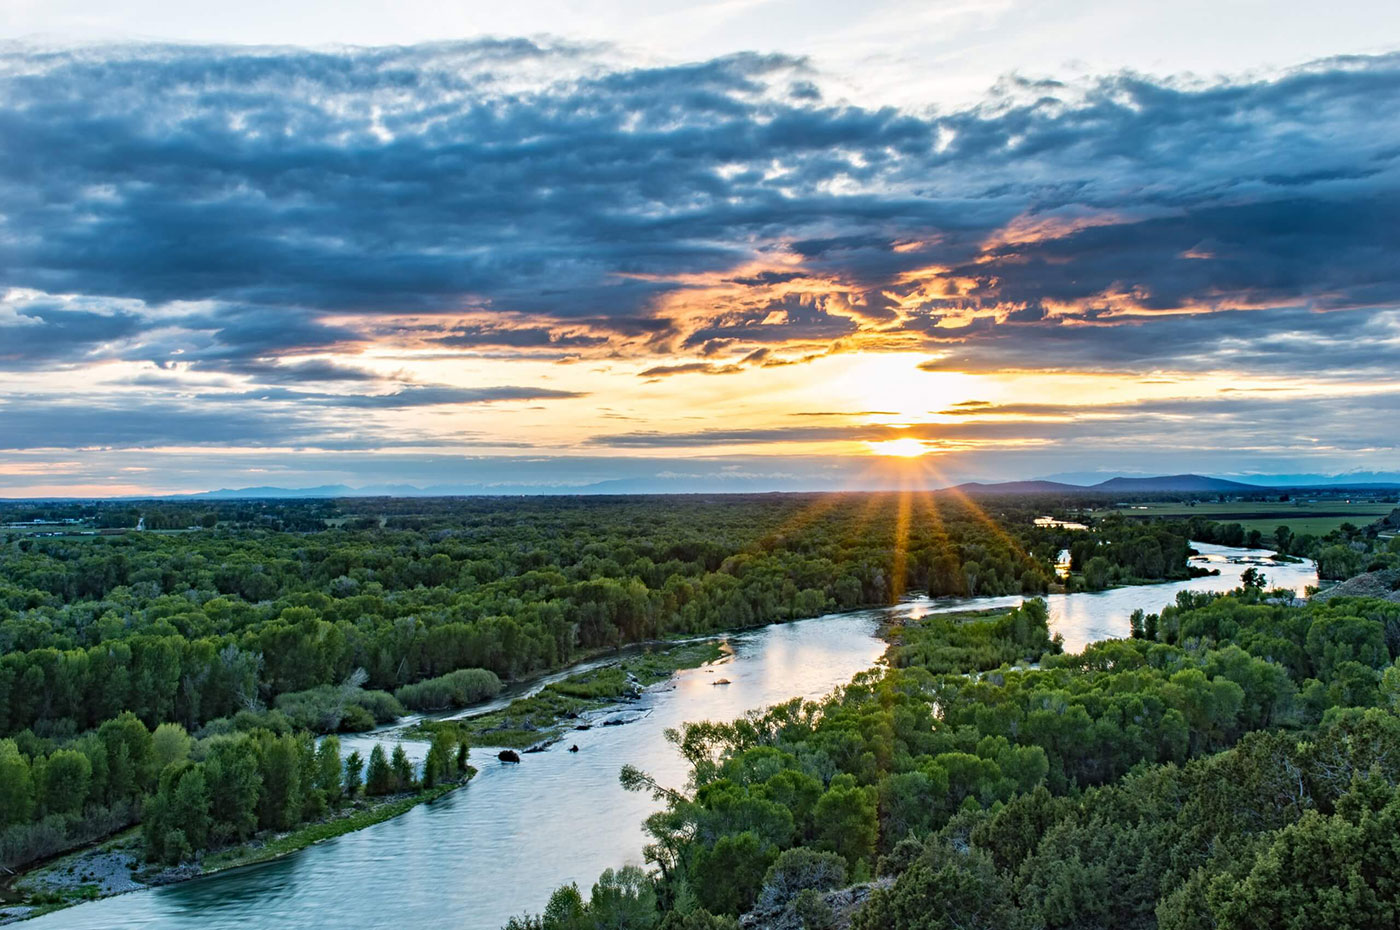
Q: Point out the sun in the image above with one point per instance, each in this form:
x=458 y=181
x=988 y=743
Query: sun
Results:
x=906 y=448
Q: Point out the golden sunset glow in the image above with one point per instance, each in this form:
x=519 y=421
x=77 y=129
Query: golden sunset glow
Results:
x=900 y=448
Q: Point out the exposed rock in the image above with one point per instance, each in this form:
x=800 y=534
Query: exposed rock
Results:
x=175 y=874
x=13 y=913
x=1383 y=584
x=844 y=902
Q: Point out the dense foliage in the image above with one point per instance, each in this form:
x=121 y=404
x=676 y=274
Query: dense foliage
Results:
x=196 y=626
x=1239 y=768
x=232 y=619
x=190 y=794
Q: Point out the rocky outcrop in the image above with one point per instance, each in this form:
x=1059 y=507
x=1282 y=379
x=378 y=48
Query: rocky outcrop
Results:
x=843 y=904
x=1383 y=584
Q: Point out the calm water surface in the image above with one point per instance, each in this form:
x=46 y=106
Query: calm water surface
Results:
x=503 y=843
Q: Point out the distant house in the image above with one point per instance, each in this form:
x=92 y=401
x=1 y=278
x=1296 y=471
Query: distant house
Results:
x=1062 y=563
x=1051 y=522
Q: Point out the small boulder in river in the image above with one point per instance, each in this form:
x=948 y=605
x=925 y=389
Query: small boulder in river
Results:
x=508 y=755
x=721 y=681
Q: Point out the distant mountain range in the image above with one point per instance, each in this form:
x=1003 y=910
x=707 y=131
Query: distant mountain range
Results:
x=1162 y=484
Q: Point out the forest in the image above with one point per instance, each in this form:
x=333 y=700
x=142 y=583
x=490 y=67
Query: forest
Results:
x=238 y=630
x=198 y=626
x=147 y=672
x=1239 y=768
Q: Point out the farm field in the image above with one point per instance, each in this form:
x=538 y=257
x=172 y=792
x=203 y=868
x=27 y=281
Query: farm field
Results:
x=1316 y=518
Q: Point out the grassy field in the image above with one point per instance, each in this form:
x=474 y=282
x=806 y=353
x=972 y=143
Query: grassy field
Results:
x=1302 y=516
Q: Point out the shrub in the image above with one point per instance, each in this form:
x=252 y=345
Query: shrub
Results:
x=455 y=689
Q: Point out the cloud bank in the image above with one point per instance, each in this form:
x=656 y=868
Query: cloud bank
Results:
x=277 y=217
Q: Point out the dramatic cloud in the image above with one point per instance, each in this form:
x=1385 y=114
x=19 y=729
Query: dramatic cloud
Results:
x=278 y=187
x=216 y=226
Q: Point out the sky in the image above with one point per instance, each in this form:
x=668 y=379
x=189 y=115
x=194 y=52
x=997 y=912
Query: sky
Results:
x=741 y=245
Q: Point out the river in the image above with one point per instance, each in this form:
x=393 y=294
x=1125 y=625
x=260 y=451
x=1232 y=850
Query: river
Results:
x=499 y=846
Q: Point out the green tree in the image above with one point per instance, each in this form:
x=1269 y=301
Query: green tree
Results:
x=16 y=785
x=354 y=774
x=130 y=756
x=169 y=743
x=235 y=785
x=566 y=910
x=728 y=875
x=279 y=764
x=623 y=899
x=328 y=769
x=190 y=807
x=403 y=769
x=847 y=820
x=67 y=778
x=380 y=777
x=1096 y=573
x=945 y=890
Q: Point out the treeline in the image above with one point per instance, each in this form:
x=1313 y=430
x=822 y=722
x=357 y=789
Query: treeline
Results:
x=190 y=795
x=195 y=627
x=1342 y=553
x=1226 y=772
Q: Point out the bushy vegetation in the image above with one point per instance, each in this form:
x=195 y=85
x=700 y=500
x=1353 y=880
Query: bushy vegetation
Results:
x=1239 y=768
x=539 y=717
x=455 y=689
x=345 y=708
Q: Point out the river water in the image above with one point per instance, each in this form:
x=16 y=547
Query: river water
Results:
x=499 y=846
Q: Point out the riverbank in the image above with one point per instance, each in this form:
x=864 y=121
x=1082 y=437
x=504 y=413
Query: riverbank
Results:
x=479 y=857
x=576 y=702
x=117 y=865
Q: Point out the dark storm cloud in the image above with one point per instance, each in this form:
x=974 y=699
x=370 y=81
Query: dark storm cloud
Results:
x=276 y=186
x=531 y=337
x=39 y=333
x=274 y=416
x=438 y=395
x=1293 y=341
x=27 y=423
x=312 y=370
